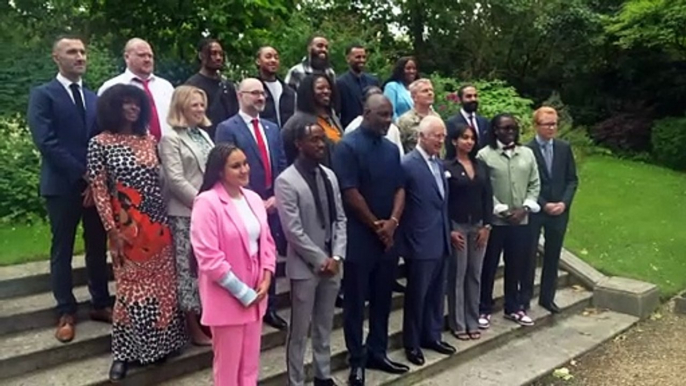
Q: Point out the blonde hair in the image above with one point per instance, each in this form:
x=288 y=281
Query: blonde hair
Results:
x=545 y=110
x=180 y=100
x=414 y=86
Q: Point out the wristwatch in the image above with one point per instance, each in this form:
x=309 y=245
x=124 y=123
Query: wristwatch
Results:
x=337 y=259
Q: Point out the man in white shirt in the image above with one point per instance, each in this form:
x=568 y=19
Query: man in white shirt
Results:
x=140 y=63
x=280 y=99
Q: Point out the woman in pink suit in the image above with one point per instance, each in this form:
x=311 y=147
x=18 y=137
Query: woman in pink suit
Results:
x=236 y=261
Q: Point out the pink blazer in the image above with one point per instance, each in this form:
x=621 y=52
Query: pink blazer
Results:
x=220 y=243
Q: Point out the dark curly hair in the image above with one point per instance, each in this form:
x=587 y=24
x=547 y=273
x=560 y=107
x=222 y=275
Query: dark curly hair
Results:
x=111 y=109
x=216 y=161
x=398 y=74
x=492 y=137
x=306 y=102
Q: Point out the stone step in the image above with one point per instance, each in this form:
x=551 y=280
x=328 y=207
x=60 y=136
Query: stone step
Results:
x=528 y=358
x=41 y=360
x=33 y=278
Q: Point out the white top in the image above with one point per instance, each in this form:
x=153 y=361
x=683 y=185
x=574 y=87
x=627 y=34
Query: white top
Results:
x=252 y=225
x=392 y=135
x=466 y=118
x=160 y=89
x=248 y=122
x=276 y=89
x=66 y=83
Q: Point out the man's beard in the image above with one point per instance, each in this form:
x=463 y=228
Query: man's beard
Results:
x=470 y=107
x=318 y=63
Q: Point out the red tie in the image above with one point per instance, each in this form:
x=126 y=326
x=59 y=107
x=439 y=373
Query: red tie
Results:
x=262 y=146
x=473 y=124
x=154 y=126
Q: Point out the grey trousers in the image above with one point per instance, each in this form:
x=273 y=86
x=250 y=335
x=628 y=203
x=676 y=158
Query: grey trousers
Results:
x=464 y=281
x=312 y=307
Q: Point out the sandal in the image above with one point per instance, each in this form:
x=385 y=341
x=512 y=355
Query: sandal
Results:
x=461 y=335
x=475 y=335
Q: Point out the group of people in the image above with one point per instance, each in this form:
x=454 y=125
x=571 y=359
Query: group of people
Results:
x=198 y=188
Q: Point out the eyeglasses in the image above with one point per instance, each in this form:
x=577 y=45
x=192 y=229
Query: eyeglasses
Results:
x=547 y=124
x=254 y=93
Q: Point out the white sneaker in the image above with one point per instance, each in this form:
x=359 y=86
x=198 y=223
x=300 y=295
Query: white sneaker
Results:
x=484 y=321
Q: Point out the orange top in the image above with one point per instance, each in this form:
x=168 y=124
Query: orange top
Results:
x=332 y=131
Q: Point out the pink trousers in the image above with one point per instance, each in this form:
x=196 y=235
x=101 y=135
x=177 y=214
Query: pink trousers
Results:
x=236 y=354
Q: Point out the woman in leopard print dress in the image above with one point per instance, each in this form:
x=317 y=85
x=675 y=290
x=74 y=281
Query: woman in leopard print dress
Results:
x=124 y=174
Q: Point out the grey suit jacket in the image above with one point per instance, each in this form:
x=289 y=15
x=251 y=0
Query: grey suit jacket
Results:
x=298 y=214
x=183 y=163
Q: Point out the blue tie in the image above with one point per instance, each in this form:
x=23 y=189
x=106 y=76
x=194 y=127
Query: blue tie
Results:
x=548 y=157
x=436 y=171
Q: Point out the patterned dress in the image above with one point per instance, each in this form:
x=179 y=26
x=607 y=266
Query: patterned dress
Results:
x=124 y=175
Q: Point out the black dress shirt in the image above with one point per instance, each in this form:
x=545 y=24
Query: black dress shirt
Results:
x=470 y=201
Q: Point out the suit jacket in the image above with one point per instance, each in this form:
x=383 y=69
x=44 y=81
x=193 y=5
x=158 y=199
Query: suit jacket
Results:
x=304 y=233
x=350 y=89
x=235 y=130
x=183 y=163
x=561 y=186
x=61 y=137
x=425 y=227
x=451 y=124
x=220 y=244
x=286 y=105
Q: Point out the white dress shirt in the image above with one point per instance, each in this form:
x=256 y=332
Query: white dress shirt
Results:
x=66 y=83
x=466 y=118
x=252 y=225
x=160 y=89
x=248 y=122
x=276 y=89
x=392 y=135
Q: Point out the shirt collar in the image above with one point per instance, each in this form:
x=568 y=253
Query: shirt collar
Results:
x=464 y=113
x=131 y=76
x=66 y=82
x=247 y=118
x=542 y=142
x=424 y=154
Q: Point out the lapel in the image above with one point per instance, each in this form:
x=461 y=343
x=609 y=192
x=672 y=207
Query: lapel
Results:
x=234 y=216
x=556 y=167
x=422 y=164
x=249 y=139
x=271 y=145
x=543 y=170
x=91 y=101
x=191 y=145
x=65 y=98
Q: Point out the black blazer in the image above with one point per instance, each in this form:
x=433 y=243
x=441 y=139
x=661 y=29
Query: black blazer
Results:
x=561 y=186
x=350 y=94
x=470 y=200
x=286 y=104
x=451 y=124
x=61 y=137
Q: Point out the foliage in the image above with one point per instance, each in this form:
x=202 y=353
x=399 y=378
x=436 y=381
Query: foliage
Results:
x=669 y=142
x=19 y=166
x=625 y=132
x=23 y=242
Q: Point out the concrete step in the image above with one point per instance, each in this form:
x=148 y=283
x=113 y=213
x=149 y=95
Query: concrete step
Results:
x=38 y=359
x=499 y=336
x=528 y=358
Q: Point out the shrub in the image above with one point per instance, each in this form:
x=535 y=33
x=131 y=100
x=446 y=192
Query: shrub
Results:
x=624 y=132
x=669 y=142
x=19 y=172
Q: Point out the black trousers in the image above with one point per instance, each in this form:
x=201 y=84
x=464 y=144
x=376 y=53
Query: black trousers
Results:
x=368 y=278
x=554 y=229
x=281 y=245
x=423 y=317
x=64 y=214
x=514 y=242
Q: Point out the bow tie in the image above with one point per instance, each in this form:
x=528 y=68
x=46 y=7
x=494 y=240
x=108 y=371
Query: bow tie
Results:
x=509 y=147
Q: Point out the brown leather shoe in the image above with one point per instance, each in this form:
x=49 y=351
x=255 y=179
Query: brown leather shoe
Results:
x=66 y=328
x=102 y=315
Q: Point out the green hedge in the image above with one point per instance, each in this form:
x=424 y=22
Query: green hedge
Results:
x=668 y=139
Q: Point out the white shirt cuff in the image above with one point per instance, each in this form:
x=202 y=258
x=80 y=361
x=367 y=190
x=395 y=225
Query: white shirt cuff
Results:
x=532 y=205
x=499 y=208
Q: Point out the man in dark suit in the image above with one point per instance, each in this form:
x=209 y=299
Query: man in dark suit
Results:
x=61 y=117
x=425 y=243
x=371 y=179
x=352 y=84
x=260 y=140
x=557 y=171
x=469 y=98
x=280 y=104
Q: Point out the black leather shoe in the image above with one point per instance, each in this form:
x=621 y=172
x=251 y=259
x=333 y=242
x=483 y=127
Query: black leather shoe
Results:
x=552 y=307
x=274 y=320
x=415 y=356
x=386 y=365
x=324 y=382
x=356 y=377
x=399 y=288
x=118 y=371
x=440 y=347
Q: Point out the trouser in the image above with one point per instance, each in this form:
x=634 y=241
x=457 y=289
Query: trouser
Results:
x=554 y=228
x=64 y=214
x=424 y=302
x=369 y=278
x=464 y=281
x=312 y=307
x=514 y=241
x=236 y=354
x=281 y=246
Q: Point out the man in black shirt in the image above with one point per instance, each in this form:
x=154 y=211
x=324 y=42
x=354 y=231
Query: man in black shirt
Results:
x=222 y=101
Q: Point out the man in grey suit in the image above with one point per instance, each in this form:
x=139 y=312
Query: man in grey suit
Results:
x=309 y=203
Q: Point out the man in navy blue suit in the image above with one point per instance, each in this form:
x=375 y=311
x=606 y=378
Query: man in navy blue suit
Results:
x=425 y=243
x=61 y=117
x=469 y=99
x=260 y=140
x=352 y=84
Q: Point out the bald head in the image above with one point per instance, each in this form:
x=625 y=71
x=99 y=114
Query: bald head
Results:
x=432 y=133
x=251 y=96
x=378 y=113
x=139 y=57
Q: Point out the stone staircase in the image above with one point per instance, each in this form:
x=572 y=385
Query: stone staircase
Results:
x=31 y=356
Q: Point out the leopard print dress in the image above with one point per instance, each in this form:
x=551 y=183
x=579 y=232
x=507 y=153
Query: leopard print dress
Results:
x=124 y=175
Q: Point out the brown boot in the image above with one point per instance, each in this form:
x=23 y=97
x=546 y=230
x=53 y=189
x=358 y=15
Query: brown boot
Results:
x=66 y=328
x=102 y=315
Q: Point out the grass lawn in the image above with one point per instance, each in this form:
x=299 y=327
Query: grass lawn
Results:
x=628 y=220
x=24 y=243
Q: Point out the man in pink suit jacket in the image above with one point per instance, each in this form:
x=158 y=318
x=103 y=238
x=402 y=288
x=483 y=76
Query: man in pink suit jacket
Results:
x=221 y=244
